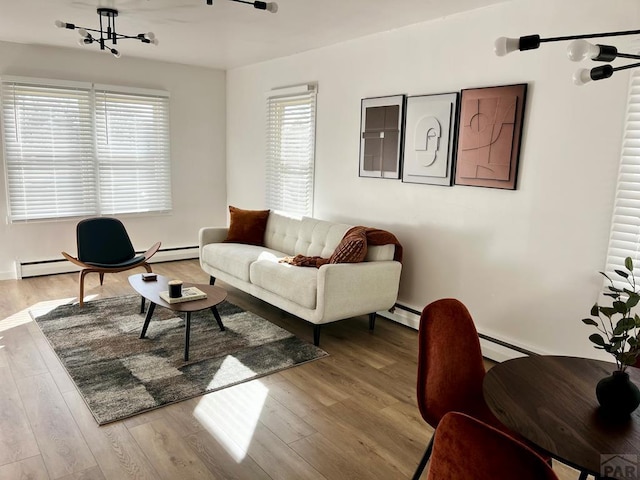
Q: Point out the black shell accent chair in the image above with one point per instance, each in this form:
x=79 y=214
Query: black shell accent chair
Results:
x=105 y=247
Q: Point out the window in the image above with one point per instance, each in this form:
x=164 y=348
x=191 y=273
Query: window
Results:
x=625 y=228
x=76 y=149
x=291 y=118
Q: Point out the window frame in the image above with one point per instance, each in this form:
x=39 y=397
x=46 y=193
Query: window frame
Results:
x=301 y=98
x=91 y=161
x=624 y=239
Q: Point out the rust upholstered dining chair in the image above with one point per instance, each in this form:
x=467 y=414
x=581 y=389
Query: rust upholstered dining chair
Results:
x=465 y=447
x=105 y=247
x=450 y=369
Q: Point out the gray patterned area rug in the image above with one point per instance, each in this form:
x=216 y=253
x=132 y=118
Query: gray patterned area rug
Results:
x=120 y=375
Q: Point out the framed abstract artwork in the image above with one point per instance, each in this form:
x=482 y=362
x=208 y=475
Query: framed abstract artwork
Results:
x=429 y=145
x=381 y=121
x=490 y=131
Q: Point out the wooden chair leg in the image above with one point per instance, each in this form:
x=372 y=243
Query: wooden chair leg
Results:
x=316 y=335
x=147 y=267
x=425 y=459
x=81 y=282
x=101 y=277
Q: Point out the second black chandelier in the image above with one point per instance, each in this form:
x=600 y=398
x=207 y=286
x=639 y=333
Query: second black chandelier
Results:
x=268 y=6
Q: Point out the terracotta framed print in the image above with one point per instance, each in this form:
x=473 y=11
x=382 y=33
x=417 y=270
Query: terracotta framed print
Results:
x=381 y=121
x=430 y=129
x=490 y=131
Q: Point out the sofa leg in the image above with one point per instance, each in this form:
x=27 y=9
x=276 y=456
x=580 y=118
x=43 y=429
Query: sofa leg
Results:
x=212 y=280
x=372 y=321
x=316 y=335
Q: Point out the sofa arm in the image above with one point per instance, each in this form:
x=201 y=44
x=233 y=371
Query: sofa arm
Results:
x=349 y=289
x=211 y=235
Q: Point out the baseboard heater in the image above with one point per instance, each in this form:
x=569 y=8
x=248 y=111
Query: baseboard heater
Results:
x=492 y=347
x=55 y=266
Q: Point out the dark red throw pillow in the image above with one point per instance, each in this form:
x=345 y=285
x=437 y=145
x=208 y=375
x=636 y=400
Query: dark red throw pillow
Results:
x=247 y=226
x=352 y=248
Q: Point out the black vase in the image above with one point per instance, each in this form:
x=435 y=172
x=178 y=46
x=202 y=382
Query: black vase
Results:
x=617 y=394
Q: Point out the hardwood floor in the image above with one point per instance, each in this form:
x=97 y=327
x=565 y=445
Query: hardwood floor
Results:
x=351 y=415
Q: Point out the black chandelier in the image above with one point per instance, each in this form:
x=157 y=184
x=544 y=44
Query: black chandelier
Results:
x=268 y=6
x=107 y=34
x=579 y=49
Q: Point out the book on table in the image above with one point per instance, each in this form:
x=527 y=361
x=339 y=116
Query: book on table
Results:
x=188 y=294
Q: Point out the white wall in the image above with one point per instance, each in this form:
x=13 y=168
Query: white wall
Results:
x=198 y=116
x=525 y=262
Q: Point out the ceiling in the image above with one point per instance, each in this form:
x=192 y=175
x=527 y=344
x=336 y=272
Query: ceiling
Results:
x=225 y=35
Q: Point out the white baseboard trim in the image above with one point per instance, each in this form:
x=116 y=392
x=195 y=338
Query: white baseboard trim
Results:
x=492 y=348
x=9 y=275
x=55 y=266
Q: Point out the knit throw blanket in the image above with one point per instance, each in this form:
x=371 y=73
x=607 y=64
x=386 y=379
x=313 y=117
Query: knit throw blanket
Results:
x=374 y=236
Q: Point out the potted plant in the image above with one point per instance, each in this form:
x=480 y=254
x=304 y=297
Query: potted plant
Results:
x=619 y=327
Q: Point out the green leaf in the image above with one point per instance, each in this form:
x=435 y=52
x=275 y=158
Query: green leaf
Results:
x=627 y=323
x=620 y=307
x=594 y=310
x=597 y=339
x=615 y=348
x=622 y=273
x=628 y=358
x=615 y=289
x=611 y=349
x=628 y=264
x=608 y=311
x=632 y=341
x=605 y=276
x=633 y=300
x=590 y=321
x=611 y=295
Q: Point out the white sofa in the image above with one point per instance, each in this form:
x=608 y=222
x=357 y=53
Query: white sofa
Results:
x=317 y=295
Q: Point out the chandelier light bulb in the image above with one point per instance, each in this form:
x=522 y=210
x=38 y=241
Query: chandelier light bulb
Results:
x=582 y=76
x=82 y=32
x=579 y=50
x=151 y=36
x=155 y=41
x=272 y=7
x=60 y=24
x=504 y=46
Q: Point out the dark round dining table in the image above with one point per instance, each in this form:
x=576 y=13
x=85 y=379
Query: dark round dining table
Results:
x=551 y=401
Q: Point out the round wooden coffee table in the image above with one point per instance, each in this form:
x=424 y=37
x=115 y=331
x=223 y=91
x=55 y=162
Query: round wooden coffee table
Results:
x=150 y=290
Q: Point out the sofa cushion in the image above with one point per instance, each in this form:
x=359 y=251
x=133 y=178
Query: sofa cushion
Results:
x=319 y=237
x=352 y=248
x=296 y=284
x=235 y=258
x=282 y=233
x=247 y=226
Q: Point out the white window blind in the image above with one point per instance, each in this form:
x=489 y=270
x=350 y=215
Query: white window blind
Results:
x=625 y=228
x=132 y=143
x=291 y=119
x=48 y=147
x=72 y=149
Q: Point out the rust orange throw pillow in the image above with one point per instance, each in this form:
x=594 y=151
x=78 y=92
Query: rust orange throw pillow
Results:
x=352 y=248
x=247 y=226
